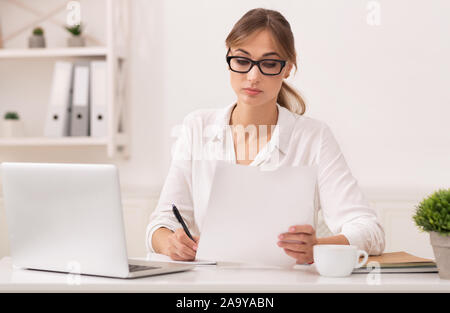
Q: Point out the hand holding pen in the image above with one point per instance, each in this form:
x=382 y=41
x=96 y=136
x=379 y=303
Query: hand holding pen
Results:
x=182 y=246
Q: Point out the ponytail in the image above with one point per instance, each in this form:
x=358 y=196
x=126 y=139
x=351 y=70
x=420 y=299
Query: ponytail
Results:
x=291 y=99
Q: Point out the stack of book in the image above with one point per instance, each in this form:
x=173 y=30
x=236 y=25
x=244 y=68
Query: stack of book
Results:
x=397 y=262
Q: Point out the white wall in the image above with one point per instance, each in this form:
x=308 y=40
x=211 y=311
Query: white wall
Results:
x=382 y=89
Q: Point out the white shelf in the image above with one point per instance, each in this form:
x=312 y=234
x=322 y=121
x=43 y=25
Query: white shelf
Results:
x=47 y=141
x=115 y=53
x=53 y=52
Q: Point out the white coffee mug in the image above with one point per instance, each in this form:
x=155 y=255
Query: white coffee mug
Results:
x=338 y=260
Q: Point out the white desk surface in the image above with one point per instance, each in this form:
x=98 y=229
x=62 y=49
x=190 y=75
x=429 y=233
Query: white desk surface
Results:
x=226 y=278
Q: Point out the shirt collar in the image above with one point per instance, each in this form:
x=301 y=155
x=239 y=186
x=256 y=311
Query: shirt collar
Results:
x=281 y=134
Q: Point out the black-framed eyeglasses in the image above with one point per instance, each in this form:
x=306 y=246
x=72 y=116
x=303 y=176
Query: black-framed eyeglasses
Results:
x=269 y=67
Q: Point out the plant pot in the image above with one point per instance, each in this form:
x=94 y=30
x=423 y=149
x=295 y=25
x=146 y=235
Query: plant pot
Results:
x=441 y=249
x=75 y=41
x=36 y=41
x=12 y=128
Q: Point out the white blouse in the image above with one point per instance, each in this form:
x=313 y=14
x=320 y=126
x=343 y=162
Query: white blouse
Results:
x=297 y=140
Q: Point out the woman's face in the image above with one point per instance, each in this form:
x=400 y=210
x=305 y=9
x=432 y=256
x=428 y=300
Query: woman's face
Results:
x=257 y=47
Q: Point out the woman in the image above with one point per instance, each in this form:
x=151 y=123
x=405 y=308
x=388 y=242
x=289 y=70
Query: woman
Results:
x=265 y=126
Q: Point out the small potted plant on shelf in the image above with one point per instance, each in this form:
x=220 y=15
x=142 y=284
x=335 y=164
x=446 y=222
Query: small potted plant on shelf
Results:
x=37 y=39
x=433 y=216
x=76 y=39
x=12 y=125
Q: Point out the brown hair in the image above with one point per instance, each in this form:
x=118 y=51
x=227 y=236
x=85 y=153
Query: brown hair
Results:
x=259 y=19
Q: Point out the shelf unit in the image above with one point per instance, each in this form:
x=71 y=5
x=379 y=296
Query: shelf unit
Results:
x=44 y=141
x=115 y=54
x=53 y=52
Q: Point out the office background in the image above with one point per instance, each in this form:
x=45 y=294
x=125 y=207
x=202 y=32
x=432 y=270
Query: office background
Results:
x=375 y=71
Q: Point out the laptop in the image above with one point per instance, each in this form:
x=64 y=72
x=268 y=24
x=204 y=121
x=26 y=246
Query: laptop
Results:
x=66 y=217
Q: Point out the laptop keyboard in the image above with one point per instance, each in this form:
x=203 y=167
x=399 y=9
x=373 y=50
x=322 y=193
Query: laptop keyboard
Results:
x=136 y=268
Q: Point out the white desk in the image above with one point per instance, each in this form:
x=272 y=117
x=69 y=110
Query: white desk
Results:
x=212 y=278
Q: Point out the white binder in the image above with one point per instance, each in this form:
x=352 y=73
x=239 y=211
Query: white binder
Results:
x=58 y=115
x=99 y=114
x=79 y=123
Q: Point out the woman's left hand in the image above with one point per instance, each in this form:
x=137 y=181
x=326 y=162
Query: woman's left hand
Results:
x=298 y=243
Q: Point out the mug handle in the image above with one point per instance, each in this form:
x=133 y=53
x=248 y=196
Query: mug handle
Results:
x=364 y=260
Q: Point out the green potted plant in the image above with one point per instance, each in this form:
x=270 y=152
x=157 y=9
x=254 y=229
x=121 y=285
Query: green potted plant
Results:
x=76 y=39
x=37 y=39
x=12 y=125
x=433 y=216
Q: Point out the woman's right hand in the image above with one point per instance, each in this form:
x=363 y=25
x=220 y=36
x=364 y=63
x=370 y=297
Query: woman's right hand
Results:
x=181 y=247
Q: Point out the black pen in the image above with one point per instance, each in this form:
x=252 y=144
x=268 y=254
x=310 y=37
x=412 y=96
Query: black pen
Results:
x=180 y=219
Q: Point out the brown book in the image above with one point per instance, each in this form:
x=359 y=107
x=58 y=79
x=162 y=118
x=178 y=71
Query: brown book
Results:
x=399 y=262
x=400 y=259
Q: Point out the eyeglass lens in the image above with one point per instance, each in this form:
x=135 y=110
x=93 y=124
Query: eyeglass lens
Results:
x=267 y=66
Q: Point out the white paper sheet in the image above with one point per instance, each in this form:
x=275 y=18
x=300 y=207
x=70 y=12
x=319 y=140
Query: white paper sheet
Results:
x=249 y=207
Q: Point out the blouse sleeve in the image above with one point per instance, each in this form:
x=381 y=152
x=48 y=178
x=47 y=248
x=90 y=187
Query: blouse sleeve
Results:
x=177 y=188
x=345 y=208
